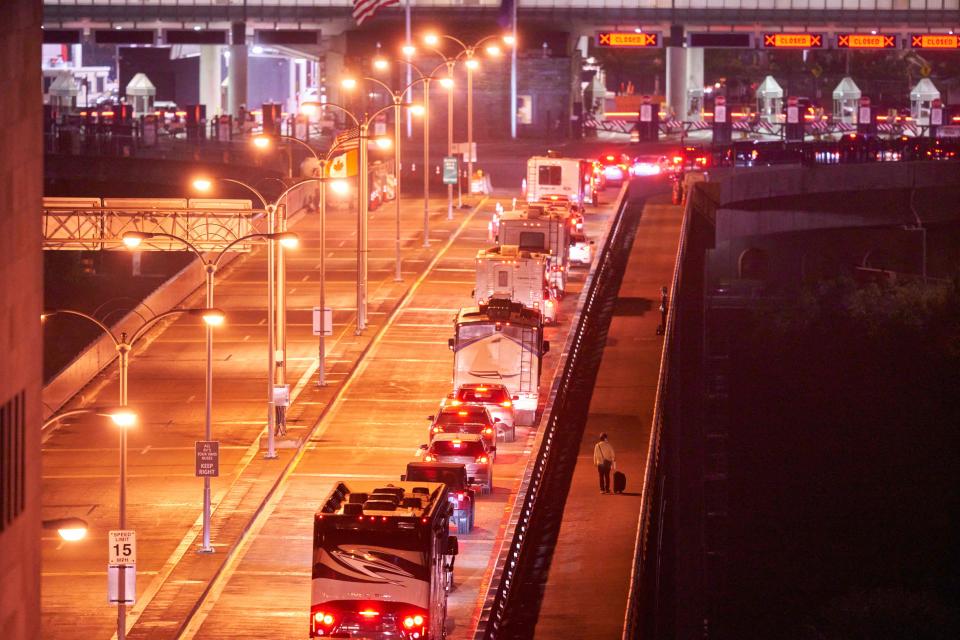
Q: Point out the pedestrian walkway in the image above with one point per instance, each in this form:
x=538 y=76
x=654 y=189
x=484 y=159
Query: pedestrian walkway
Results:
x=589 y=576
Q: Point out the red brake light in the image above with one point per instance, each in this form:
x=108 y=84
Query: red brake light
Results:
x=506 y=403
x=488 y=431
x=438 y=429
x=482 y=460
x=461 y=495
x=609 y=157
x=415 y=620
x=455 y=403
x=369 y=613
x=427 y=458
x=462 y=413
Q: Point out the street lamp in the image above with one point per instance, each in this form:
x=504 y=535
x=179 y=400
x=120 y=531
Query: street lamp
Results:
x=398 y=102
x=133 y=239
x=424 y=110
x=467 y=51
x=69 y=529
x=124 y=418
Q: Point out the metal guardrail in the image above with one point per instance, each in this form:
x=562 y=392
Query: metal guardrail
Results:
x=633 y=618
x=508 y=558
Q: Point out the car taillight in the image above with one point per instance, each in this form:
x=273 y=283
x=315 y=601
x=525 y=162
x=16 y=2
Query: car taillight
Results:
x=482 y=460
x=488 y=431
x=455 y=403
x=414 y=621
x=461 y=495
x=506 y=403
x=549 y=303
x=369 y=613
x=428 y=458
x=438 y=429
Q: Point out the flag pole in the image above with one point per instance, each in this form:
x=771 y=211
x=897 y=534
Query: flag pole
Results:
x=513 y=70
x=409 y=74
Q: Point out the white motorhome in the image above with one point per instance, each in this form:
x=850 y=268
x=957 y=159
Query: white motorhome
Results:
x=509 y=272
x=501 y=342
x=551 y=178
x=540 y=229
x=382 y=561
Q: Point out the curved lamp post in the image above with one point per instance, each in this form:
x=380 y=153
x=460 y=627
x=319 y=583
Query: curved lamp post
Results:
x=133 y=239
x=468 y=52
x=124 y=418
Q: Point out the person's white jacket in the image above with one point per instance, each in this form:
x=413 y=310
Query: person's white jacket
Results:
x=603 y=452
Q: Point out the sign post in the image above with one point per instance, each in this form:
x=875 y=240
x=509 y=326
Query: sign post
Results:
x=722 y=128
x=793 y=131
x=207 y=463
x=936 y=117
x=121 y=566
x=450 y=170
x=865 y=123
x=327 y=321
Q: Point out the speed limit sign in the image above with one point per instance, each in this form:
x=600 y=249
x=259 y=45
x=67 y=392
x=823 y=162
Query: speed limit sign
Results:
x=122 y=547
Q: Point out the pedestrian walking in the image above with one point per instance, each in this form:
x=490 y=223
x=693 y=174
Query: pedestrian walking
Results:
x=605 y=459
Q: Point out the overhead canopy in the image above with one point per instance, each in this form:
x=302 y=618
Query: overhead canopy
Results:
x=925 y=91
x=140 y=85
x=769 y=88
x=847 y=90
x=64 y=85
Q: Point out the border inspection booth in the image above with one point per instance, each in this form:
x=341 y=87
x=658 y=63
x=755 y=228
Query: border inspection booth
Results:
x=921 y=101
x=770 y=100
x=846 y=100
x=141 y=93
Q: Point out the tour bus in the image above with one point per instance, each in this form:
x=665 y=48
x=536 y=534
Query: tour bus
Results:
x=382 y=561
x=542 y=229
x=501 y=342
x=509 y=272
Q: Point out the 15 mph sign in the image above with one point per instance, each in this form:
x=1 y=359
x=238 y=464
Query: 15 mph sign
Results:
x=122 y=547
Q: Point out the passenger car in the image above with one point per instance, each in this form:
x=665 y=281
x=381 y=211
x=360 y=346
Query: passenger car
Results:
x=464 y=418
x=494 y=397
x=460 y=494
x=468 y=449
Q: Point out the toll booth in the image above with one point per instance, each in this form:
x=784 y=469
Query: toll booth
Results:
x=63 y=91
x=921 y=101
x=770 y=100
x=271 y=118
x=866 y=118
x=648 y=121
x=793 y=126
x=846 y=100
x=722 y=127
x=140 y=94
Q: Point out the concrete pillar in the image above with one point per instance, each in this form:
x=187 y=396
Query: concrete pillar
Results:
x=694 y=83
x=676 y=82
x=237 y=72
x=685 y=80
x=210 y=79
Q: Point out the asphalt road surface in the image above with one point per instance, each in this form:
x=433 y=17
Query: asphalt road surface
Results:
x=367 y=423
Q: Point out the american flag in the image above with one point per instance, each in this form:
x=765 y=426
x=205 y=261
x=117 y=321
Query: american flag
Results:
x=363 y=9
x=348 y=139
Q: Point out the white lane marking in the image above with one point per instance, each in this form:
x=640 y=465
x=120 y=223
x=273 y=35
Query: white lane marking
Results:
x=291 y=291
x=304 y=278
x=366 y=476
x=145 y=449
x=84 y=574
x=422 y=324
x=190 y=399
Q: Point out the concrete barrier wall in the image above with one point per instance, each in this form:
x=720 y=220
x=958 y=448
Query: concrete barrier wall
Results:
x=771 y=182
x=90 y=362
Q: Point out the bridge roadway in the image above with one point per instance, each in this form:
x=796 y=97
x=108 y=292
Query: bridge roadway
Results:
x=589 y=576
x=370 y=420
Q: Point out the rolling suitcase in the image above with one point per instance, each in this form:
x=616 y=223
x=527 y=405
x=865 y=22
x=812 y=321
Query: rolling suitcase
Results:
x=619 y=482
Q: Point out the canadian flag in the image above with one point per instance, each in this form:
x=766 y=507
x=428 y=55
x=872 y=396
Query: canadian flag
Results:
x=343 y=166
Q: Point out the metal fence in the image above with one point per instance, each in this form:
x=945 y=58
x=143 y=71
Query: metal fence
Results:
x=507 y=565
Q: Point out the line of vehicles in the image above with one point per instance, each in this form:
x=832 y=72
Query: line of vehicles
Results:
x=383 y=552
